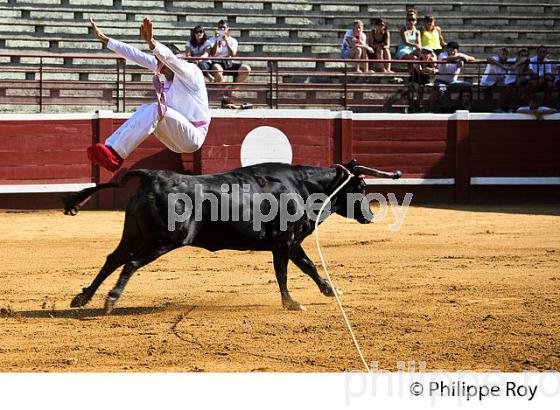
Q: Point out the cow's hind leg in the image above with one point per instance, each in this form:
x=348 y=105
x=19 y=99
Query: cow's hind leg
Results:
x=114 y=260
x=302 y=261
x=141 y=258
x=130 y=239
x=281 y=258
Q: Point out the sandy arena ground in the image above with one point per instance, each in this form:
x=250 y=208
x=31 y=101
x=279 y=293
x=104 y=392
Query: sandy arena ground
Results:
x=474 y=288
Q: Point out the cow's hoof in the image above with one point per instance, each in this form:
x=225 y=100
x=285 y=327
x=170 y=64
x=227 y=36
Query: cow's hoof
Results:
x=328 y=291
x=110 y=304
x=293 y=305
x=80 y=300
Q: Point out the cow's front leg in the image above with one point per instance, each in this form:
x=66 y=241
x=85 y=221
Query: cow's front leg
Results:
x=281 y=257
x=302 y=261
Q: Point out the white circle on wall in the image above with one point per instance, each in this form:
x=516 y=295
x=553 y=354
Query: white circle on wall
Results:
x=265 y=144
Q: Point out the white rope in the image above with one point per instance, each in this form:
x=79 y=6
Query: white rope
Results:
x=348 y=325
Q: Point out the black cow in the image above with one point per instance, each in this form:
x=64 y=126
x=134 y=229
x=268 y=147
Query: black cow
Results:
x=147 y=236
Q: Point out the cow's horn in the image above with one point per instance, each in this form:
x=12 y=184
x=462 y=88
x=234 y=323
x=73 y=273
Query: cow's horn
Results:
x=361 y=170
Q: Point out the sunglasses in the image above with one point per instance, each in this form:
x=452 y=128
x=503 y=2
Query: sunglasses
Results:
x=410 y=19
x=199 y=32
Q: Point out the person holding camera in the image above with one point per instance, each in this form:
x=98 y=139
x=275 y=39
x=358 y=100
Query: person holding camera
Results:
x=224 y=45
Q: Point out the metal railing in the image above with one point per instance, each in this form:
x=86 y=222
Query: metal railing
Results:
x=84 y=81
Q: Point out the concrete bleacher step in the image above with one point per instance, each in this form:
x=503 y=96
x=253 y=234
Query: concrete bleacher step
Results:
x=265 y=28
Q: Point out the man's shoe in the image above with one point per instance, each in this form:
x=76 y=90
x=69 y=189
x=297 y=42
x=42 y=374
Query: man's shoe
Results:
x=105 y=157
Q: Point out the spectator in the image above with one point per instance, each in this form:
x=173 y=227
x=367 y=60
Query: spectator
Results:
x=354 y=46
x=542 y=78
x=423 y=72
x=409 y=39
x=421 y=75
x=380 y=41
x=519 y=73
x=431 y=35
x=496 y=69
x=199 y=46
x=495 y=75
x=518 y=77
x=224 y=45
x=448 y=73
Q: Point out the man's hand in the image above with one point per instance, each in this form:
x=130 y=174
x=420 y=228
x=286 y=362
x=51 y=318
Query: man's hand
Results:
x=102 y=37
x=147 y=33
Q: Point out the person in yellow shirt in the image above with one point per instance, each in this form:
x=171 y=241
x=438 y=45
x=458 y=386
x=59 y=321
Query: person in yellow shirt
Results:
x=431 y=35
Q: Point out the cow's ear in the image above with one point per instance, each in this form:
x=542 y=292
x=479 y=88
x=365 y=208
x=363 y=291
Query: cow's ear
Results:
x=352 y=164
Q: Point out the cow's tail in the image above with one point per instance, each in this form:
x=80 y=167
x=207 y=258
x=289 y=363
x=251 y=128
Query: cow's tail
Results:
x=73 y=202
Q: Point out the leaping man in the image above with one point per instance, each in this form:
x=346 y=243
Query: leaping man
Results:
x=180 y=117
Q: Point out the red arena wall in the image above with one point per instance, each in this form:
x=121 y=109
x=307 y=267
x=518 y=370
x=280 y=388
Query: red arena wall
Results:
x=43 y=156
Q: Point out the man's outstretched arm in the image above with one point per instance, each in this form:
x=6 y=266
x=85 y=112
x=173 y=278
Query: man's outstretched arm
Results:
x=185 y=70
x=124 y=50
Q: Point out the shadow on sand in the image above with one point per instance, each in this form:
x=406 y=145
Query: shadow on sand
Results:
x=84 y=314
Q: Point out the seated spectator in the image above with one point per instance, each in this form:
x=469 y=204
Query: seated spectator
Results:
x=224 y=45
x=448 y=74
x=354 y=46
x=518 y=77
x=199 y=46
x=519 y=72
x=542 y=78
x=409 y=39
x=380 y=41
x=496 y=69
x=423 y=71
x=431 y=35
x=495 y=75
x=421 y=75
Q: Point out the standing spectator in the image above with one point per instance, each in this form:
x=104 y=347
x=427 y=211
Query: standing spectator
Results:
x=380 y=41
x=354 y=46
x=199 y=46
x=224 y=45
x=542 y=78
x=495 y=75
x=409 y=39
x=431 y=35
x=448 y=73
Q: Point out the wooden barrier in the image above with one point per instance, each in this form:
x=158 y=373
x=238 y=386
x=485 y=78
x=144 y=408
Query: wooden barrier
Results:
x=42 y=156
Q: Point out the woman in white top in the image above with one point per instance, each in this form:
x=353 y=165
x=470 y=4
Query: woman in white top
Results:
x=180 y=118
x=199 y=46
x=354 y=46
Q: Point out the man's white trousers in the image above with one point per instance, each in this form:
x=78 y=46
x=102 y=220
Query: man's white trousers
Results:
x=174 y=130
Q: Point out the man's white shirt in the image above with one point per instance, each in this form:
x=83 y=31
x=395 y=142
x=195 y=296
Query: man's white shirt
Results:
x=186 y=92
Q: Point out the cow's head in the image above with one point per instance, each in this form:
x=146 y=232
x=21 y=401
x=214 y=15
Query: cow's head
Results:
x=350 y=199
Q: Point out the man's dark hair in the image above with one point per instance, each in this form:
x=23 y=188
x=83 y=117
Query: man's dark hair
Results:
x=453 y=44
x=173 y=48
x=223 y=22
